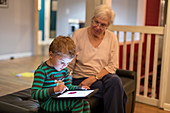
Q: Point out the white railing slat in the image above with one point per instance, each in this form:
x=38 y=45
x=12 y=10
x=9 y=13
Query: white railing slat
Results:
x=139 y=64
x=155 y=62
x=118 y=35
x=131 y=52
x=147 y=64
x=124 y=51
x=119 y=46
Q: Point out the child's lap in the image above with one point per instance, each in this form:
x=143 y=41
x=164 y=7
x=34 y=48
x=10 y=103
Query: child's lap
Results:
x=62 y=104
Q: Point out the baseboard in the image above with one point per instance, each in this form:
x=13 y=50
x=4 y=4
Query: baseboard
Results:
x=166 y=107
x=15 y=55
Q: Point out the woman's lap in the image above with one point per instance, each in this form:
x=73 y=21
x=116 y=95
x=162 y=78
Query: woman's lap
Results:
x=109 y=78
x=111 y=90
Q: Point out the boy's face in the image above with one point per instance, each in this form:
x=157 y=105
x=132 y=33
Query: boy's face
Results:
x=60 y=62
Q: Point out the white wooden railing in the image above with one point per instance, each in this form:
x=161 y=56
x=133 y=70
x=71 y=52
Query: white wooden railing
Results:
x=146 y=31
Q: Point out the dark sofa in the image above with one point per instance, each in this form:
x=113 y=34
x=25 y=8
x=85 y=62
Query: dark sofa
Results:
x=21 y=101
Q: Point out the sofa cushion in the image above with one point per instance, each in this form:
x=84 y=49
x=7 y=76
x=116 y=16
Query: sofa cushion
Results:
x=21 y=101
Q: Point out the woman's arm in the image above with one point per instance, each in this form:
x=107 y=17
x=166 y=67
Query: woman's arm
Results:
x=113 y=63
x=89 y=81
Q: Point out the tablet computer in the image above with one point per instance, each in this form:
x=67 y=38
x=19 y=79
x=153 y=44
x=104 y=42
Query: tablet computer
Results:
x=76 y=94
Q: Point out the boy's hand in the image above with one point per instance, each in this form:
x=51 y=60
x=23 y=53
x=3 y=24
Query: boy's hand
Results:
x=60 y=88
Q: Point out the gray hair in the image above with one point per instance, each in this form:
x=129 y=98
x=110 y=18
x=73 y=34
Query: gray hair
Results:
x=105 y=12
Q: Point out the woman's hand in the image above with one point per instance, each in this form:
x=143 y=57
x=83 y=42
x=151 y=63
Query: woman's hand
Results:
x=60 y=88
x=88 y=82
x=85 y=87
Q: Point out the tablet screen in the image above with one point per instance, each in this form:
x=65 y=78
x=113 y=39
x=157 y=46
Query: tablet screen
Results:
x=76 y=94
x=83 y=93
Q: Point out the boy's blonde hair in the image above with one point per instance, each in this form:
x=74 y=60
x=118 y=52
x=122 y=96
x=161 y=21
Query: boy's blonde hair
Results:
x=63 y=45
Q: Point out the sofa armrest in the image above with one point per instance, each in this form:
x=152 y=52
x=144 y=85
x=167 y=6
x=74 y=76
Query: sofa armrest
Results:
x=129 y=80
x=126 y=73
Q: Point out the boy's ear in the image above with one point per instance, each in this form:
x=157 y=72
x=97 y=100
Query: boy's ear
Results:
x=51 y=54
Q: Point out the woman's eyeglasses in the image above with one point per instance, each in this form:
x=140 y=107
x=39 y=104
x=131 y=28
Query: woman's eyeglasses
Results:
x=97 y=23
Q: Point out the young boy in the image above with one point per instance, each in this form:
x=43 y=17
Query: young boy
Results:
x=61 y=52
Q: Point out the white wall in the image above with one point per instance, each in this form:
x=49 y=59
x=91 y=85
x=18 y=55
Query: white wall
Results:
x=141 y=12
x=126 y=12
x=17 y=29
x=69 y=9
x=17 y=22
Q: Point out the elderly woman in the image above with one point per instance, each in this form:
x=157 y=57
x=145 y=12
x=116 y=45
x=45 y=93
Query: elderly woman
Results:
x=97 y=60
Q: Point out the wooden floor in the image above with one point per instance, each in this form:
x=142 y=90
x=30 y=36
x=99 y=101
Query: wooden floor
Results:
x=9 y=68
x=10 y=83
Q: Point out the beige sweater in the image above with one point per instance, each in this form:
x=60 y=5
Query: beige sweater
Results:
x=89 y=60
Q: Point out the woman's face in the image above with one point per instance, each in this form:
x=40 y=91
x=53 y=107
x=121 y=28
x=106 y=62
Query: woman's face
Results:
x=98 y=26
x=59 y=62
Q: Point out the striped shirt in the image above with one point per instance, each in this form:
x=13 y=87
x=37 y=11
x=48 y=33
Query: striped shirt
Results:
x=43 y=87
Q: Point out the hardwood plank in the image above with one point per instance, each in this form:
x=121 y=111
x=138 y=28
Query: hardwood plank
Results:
x=143 y=108
x=9 y=68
